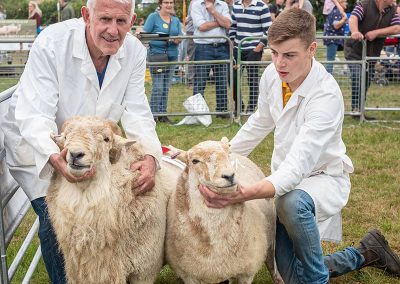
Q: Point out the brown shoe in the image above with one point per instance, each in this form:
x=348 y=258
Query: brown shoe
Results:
x=377 y=253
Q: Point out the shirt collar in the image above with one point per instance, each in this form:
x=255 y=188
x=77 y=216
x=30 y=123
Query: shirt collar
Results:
x=253 y=2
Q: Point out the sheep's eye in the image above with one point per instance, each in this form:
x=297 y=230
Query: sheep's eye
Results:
x=195 y=161
x=107 y=139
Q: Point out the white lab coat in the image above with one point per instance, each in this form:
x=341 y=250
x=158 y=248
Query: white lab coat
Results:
x=309 y=153
x=60 y=81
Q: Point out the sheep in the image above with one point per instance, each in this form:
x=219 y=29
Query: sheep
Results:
x=106 y=233
x=207 y=245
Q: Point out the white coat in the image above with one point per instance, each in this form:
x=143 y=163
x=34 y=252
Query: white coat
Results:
x=60 y=81
x=309 y=153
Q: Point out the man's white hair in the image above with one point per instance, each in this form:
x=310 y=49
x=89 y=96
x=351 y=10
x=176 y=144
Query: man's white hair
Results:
x=92 y=3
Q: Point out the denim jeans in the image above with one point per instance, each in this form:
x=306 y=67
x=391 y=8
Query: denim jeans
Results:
x=330 y=56
x=252 y=78
x=52 y=256
x=298 y=246
x=161 y=83
x=209 y=52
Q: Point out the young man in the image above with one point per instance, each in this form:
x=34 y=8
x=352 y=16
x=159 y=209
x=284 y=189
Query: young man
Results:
x=303 y=104
x=87 y=66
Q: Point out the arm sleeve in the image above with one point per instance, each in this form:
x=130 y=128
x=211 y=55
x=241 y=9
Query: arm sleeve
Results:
x=321 y=124
x=149 y=24
x=266 y=22
x=36 y=106
x=257 y=127
x=197 y=15
x=137 y=119
x=233 y=29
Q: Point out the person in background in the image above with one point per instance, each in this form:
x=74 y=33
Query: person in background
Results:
x=86 y=66
x=372 y=21
x=275 y=8
x=329 y=5
x=3 y=14
x=162 y=21
x=212 y=18
x=34 y=13
x=334 y=26
x=302 y=105
x=302 y=4
x=190 y=48
x=67 y=11
x=250 y=18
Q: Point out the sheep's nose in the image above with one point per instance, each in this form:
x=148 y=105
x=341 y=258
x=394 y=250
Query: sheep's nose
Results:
x=76 y=155
x=229 y=177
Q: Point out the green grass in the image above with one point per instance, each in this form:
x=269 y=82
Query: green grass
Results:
x=374 y=200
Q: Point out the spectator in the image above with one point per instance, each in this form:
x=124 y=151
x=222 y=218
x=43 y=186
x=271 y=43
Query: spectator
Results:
x=67 y=11
x=373 y=21
x=86 y=66
x=211 y=18
x=249 y=18
x=35 y=14
x=329 y=5
x=302 y=4
x=334 y=26
x=3 y=14
x=303 y=106
x=275 y=9
x=162 y=22
x=190 y=49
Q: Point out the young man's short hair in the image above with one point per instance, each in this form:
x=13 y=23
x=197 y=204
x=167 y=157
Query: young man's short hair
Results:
x=290 y=24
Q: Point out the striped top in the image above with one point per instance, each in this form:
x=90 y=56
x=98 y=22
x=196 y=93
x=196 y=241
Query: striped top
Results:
x=253 y=20
x=358 y=11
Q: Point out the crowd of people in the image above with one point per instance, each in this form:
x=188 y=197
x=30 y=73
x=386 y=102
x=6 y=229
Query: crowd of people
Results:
x=310 y=169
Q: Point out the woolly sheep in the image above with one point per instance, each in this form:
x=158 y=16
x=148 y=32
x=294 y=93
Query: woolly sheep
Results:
x=206 y=245
x=107 y=233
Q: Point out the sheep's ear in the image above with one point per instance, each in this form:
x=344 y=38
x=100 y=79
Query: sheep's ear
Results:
x=225 y=143
x=175 y=153
x=59 y=139
x=114 y=127
x=224 y=140
x=118 y=143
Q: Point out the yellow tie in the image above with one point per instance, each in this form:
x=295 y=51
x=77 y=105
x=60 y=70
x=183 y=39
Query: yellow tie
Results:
x=286 y=93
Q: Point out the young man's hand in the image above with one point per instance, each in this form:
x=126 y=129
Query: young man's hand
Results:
x=59 y=163
x=146 y=180
x=259 y=190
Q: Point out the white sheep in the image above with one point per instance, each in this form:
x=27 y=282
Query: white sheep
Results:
x=107 y=233
x=206 y=245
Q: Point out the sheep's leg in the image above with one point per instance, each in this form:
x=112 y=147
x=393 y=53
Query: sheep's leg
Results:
x=245 y=279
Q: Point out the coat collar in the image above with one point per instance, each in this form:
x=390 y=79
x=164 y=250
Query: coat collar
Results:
x=81 y=51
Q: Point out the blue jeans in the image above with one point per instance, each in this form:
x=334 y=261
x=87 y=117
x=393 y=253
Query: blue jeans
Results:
x=330 y=56
x=210 y=52
x=298 y=246
x=160 y=87
x=52 y=256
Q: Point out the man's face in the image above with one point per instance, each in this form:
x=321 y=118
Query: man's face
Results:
x=106 y=28
x=292 y=60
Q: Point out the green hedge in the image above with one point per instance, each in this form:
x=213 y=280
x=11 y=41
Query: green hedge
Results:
x=19 y=9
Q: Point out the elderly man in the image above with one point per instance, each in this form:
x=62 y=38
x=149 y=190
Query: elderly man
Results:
x=373 y=21
x=211 y=18
x=87 y=66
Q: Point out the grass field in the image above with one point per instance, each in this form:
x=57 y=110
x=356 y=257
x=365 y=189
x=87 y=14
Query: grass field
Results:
x=374 y=201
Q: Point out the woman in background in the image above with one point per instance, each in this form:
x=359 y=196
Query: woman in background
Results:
x=35 y=14
x=162 y=21
x=334 y=26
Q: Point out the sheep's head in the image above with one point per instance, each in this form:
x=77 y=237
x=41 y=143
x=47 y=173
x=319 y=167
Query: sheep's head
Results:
x=89 y=140
x=209 y=161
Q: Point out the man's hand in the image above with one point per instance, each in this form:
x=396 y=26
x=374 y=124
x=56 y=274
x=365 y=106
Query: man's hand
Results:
x=261 y=189
x=210 y=6
x=146 y=180
x=371 y=35
x=59 y=163
x=259 y=48
x=357 y=36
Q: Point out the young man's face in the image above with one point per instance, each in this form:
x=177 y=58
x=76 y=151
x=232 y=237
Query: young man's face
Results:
x=106 y=28
x=292 y=60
